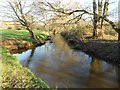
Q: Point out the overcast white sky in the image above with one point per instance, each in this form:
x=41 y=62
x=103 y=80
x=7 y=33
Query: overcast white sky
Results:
x=113 y=8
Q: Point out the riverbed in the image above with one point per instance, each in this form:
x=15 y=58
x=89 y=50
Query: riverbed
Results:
x=62 y=67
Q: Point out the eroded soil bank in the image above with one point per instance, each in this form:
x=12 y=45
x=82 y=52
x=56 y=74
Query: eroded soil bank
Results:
x=107 y=50
x=14 y=44
x=20 y=39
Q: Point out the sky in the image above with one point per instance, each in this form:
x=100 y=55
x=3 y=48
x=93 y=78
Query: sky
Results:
x=113 y=8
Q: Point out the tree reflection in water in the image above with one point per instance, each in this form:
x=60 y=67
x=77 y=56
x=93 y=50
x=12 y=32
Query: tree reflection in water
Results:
x=60 y=66
x=101 y=75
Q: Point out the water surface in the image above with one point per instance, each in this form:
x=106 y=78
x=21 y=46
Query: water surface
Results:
x=62 y=67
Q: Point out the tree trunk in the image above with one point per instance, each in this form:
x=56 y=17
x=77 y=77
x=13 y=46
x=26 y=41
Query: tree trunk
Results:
x=104 y=14
x=95 y=19
x=94 y=31
x=119 y=36
x=32 y=34
x=100 y=6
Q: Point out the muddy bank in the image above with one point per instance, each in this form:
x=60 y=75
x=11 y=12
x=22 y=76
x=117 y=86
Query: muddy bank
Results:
x=107 y=50
x=14 y=44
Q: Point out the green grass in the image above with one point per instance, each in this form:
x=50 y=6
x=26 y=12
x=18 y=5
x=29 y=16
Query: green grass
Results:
x=19 y=34
x=14 y=75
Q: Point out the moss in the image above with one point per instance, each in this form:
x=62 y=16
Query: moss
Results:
x=16 y=76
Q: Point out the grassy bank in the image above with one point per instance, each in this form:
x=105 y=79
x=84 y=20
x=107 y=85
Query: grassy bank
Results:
x=106 y=48
x=20 y=39
x=13 y=74
x=20 y=34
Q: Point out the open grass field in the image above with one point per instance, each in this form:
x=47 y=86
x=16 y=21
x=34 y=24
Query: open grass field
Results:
x=19 y=34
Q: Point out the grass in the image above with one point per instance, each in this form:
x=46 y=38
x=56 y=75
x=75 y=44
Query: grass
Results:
x=19 y=34
x=15 y=76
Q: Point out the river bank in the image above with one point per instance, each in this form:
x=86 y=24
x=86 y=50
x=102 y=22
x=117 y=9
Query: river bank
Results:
x=13 y=74
x=107 y=50
x=62 y=67
x=20 y=39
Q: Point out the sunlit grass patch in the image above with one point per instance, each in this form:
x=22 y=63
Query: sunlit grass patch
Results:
x=15 y=76
x=20 y=34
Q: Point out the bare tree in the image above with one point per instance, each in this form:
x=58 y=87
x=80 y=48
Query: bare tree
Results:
x=119 y=21
x=100 y=20
x=19 y=10
x=96 y=15
x=95 y=18
x=105 y=12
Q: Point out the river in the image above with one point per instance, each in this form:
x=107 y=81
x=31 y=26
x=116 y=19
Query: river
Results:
x=62 y=67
